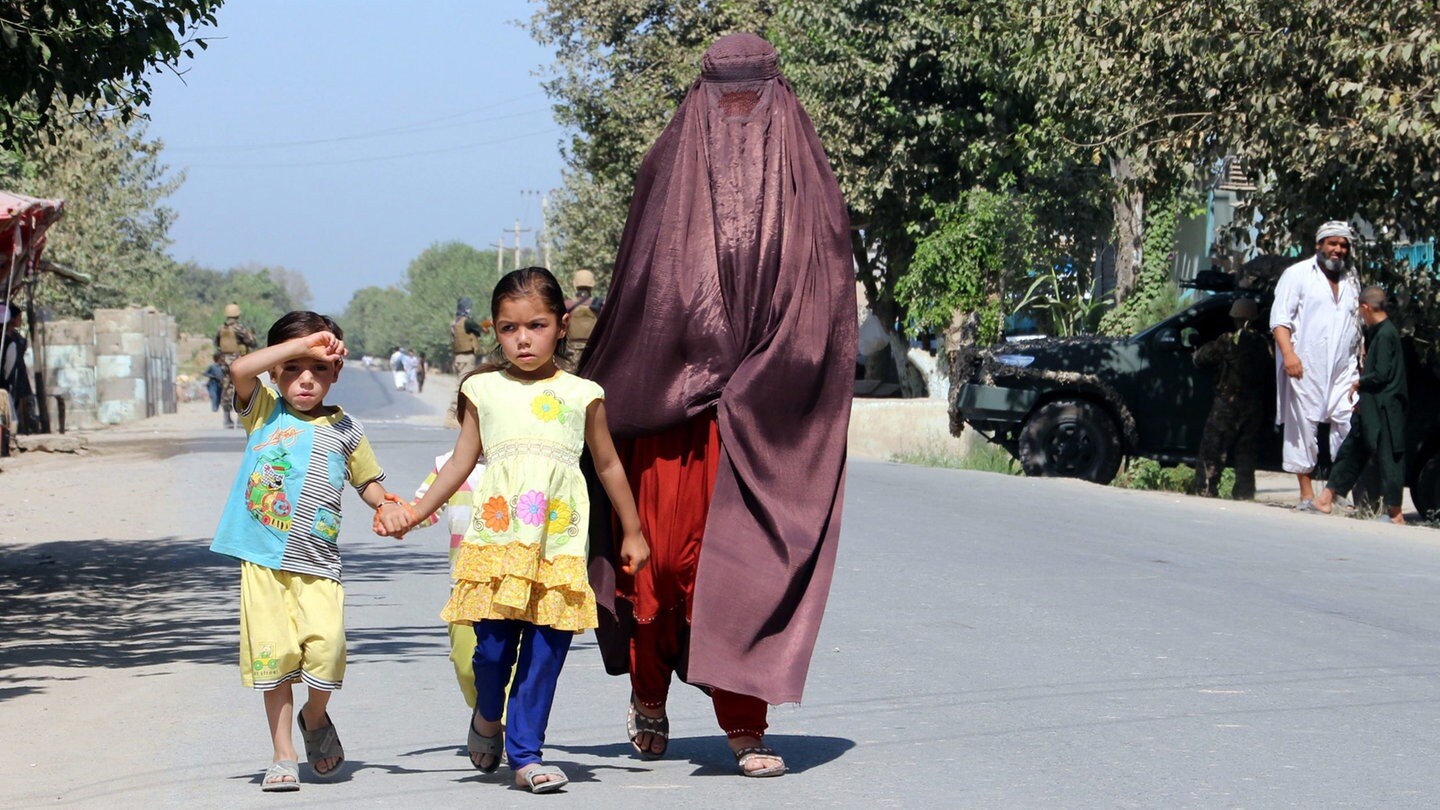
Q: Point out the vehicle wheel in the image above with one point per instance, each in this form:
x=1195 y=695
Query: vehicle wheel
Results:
x=1426 y=492
x=1070 y=438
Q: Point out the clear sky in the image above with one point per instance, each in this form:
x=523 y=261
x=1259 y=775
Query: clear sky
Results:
x=340 y=138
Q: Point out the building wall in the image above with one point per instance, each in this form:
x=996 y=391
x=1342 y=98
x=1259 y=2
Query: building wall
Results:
x=116 y=368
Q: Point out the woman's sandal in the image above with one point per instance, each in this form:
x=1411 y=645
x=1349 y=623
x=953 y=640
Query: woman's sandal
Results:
x=744 y=755
x=321 y=744
x=637 y=723
x=480 y=745
x=557 y=779
x=283 y=776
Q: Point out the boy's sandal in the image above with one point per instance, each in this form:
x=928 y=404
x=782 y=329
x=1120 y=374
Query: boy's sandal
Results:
x=283 y=776
x=557 y=779
x=744 y=755
x=637 y=723
x=478 y=745
x=321 y=744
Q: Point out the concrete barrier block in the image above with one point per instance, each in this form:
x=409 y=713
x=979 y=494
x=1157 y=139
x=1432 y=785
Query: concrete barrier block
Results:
x=120 y=390
x=70 y=333
x=119 y=366
x=115 y=413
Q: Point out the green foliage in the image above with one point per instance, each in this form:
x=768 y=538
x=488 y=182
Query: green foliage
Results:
x=115 y=228
x=1062 y=303
x=263 y=294
x=1155 y=294
x=418 y=313
x=91 y=53
x=985 y=457
x=979 y=249
x=1144 y=473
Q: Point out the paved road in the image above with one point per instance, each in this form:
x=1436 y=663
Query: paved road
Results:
x=990 y=642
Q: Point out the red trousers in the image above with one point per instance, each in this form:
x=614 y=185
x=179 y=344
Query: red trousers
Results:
x=673 y=477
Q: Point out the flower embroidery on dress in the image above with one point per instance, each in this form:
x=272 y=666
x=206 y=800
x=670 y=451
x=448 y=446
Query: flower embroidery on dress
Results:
x=558 y=518
x=547 y=408
x=532 y=509
x=496 y=514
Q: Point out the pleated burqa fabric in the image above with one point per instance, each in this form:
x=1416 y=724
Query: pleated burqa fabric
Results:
x=734 y=290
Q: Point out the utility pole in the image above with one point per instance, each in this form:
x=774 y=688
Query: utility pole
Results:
x=545 y=228
x=500 y=255
x=518 y=231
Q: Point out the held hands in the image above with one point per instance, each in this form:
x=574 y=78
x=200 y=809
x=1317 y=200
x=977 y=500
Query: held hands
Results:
x=634 y=553
x=393 y=517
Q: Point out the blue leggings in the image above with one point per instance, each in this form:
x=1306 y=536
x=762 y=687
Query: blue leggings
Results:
x=536 y=655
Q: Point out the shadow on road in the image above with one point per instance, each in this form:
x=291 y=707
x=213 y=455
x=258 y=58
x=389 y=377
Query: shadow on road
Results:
x=711 y=755
x=135 y=603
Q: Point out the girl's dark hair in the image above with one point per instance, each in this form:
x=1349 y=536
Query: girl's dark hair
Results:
x=299 y=324
x=522 y=283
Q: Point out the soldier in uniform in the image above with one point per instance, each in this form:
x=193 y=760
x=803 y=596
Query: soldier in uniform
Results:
x=465 y=336
x=584 y=308
x=231 y=341
x=1242 y=362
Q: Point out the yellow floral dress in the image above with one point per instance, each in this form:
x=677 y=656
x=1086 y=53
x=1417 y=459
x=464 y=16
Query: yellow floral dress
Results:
x=524 y=555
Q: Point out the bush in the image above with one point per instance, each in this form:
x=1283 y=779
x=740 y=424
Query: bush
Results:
x=982 y=457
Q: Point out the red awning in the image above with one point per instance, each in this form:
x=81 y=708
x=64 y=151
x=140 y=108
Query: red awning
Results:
x=23 y=223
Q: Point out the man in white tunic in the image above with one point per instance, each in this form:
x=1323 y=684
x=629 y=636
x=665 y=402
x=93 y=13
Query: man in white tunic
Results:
x=1316 y=323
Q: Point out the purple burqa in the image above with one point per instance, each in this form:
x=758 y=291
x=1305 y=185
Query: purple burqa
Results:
x=734 y=290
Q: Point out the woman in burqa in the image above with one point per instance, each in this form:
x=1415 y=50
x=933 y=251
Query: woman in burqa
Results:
x=726 y=349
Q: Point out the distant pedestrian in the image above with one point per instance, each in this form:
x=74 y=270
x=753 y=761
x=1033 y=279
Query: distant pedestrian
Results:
x=583 y=310
x=1317 y=340
x=410 y=363
x=420 y=373
x=282 y=521
x=465 y=337
x=397 y=368
x=1378 y=430
x=214 y=375
x=233 y=339
x=1241 y=360
x=521 y=570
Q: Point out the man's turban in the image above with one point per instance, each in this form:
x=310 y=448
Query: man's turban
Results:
x=1334 y=227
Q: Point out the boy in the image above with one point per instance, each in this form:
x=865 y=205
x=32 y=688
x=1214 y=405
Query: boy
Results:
x=282 y=520
x=1379 y=425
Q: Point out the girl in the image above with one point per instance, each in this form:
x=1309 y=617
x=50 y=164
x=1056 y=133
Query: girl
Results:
x=521 y=571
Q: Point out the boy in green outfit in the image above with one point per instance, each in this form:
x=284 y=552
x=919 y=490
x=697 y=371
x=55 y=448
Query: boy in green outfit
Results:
x=1378 y=428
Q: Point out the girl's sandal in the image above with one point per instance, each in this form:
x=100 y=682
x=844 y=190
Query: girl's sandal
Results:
x=557 y=779
x=637 y=723
x=479 y=746
x=283 y=776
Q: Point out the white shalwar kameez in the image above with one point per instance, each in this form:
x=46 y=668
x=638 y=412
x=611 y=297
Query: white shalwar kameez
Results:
x=1325 y=332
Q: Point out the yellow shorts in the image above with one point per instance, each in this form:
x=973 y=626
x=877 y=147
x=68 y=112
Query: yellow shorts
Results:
x=292 y=627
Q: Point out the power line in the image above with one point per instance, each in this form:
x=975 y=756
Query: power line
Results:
x=465 y=147
x=418 y=126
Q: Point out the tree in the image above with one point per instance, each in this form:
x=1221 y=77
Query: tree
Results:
x=116 y=225
x=202 y=294
x=86 y=53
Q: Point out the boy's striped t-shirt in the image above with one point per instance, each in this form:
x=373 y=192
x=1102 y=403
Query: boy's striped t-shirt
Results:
x=284 y=508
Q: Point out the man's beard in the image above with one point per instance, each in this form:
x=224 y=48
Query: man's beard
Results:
x=1333 y=265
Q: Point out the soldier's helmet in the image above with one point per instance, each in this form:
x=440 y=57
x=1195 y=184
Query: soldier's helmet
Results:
x=1245 y=309
x=232 y=311
x=583 y=278
x=463 y=305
